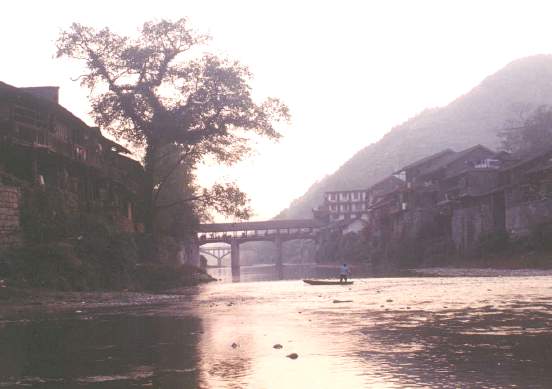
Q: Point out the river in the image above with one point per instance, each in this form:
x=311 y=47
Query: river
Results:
x=378 y=333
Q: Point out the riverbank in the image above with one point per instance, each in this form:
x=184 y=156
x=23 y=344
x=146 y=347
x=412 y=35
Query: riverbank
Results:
x=19 y=303
x=478 y=272
x=106 y=263
x=516 y=263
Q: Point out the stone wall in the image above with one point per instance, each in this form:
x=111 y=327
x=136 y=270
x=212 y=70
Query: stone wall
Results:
x=10 y=199
x=521 y=218
x=413 y=224
x=470 y=223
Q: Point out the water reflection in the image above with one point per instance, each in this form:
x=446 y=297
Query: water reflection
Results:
x=120 y=351
x=480 y=347
x=394 y=333
x=285 y=272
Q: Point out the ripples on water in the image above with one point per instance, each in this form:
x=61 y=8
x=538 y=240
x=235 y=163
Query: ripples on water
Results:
x=396 y=333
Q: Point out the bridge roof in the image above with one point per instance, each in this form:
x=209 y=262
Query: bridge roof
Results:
x=261 y=225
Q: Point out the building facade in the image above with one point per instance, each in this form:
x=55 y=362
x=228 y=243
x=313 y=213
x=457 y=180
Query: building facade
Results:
x=43 y=144
x=345 y=204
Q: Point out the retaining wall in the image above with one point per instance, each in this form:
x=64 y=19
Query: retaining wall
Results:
x=10 y=202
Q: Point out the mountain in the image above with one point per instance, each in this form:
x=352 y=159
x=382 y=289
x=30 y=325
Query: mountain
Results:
x=473 y=118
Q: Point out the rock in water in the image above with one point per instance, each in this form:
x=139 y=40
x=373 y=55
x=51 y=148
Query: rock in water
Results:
x=277 y=346
x=292 y=356
x=342 y=301
x=234 y=345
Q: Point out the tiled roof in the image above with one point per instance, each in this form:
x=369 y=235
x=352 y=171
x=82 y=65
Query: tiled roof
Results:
x=453 y=158
x=529 y=159
x=426 y=159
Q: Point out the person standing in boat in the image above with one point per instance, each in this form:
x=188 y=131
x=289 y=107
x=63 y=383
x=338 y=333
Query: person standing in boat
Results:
x=344 y=272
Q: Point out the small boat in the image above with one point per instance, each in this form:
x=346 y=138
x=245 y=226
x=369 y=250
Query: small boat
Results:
x=327 y=282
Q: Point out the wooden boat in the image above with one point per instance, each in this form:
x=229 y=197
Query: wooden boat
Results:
x=327 y=282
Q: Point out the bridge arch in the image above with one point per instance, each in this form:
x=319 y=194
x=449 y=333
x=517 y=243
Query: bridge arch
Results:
x=217 y=252
x=276 y=231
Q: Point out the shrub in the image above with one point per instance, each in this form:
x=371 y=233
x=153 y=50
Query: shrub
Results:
x=53 y=265
x=45 y=216
x=541 y=236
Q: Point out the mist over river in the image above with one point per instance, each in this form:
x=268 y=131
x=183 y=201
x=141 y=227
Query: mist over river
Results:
x=485 y=332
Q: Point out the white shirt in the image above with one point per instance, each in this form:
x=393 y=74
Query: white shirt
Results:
x=344 y=270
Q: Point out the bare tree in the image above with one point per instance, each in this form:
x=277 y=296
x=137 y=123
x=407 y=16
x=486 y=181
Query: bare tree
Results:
x=157 y=90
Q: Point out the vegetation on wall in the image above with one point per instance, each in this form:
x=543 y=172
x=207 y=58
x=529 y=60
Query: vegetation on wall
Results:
x=46 y=215
x=336 y=247
x=69 y=250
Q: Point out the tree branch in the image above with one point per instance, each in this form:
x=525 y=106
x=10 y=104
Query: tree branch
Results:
x=102 y=69
x=181 y=201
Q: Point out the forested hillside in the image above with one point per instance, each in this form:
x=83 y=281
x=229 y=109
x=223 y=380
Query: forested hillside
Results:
x=476 y=117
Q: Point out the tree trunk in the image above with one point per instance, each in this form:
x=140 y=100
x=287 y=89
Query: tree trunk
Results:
x=149 y=179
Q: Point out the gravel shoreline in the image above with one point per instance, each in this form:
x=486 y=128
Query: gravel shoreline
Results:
x=17 y=303
x=479 y=272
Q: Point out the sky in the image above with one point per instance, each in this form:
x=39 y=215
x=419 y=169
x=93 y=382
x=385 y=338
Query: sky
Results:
x=348 y=70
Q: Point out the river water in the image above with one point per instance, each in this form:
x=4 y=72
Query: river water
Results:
x=377 y=333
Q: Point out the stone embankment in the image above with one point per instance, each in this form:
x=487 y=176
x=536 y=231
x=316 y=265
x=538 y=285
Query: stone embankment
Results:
x=10 y=199
x=479 y=272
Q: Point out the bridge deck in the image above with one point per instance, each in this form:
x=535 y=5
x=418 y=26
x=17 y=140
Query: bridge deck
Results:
x=260 y=225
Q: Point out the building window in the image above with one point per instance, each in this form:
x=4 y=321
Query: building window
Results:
x=61 y=131
x=80 y=153
x=41 y=138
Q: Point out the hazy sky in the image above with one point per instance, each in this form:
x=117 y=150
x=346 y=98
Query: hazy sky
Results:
x=348 y=70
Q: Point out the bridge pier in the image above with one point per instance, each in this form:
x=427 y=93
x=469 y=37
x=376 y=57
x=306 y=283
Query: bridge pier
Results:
x=277 y=231
x=235 y=254
x=193 y=253
x=279 y=259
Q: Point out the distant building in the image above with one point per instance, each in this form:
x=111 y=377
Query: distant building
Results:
x=379 y=191
x=446 y=199
x=447 y=203
x=353 y=226
x=527 y=187
x=345 y=204
x=412 y=172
